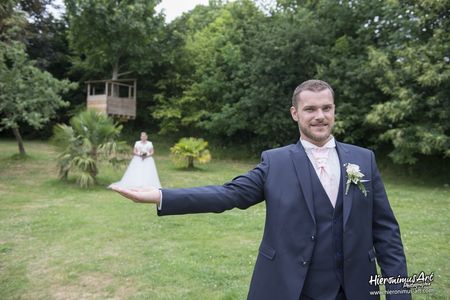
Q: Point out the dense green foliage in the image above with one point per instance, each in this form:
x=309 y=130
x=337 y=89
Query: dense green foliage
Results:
x=388 y=63
x=190 y=150
x=28 y=95
x=412 y=69
x=227 y=70
x=91 y=136
x=114 y=35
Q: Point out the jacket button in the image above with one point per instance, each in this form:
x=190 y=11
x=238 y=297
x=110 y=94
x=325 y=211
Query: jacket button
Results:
x=304 y=263
x=313 y=238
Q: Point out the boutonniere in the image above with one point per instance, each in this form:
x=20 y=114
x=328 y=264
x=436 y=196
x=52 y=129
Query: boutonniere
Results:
x=354 y=175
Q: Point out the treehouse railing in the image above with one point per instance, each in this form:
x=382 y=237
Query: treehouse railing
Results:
x=113 y=97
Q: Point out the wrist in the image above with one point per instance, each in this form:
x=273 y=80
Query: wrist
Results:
x=159 y=202
x=156 y=197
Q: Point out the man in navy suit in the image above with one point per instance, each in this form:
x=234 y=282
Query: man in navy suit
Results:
x=328 y=219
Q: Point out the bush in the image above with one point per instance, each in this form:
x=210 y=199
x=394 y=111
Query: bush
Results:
x=91 y=136
x=188 y=150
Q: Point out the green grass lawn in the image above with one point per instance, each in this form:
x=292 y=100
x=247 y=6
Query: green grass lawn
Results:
x=61 y=242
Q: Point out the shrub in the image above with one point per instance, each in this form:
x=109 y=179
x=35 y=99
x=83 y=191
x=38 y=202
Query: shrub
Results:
x=91 y=136
x=188 y=150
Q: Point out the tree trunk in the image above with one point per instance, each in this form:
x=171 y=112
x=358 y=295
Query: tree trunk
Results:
x=115 y=76
x=190 y=162
x=115 y=72
x=94 y=155
x=19 y=140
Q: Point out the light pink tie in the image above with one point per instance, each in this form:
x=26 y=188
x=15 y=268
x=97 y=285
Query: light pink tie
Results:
x=320 y=155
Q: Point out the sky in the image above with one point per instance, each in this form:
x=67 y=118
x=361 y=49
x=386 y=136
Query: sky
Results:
x=174 y=8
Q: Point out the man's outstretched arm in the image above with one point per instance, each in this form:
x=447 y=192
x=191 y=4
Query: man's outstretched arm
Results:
x=242 y=192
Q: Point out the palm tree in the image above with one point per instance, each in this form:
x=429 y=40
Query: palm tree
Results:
x=190 y=150
x=90 y=136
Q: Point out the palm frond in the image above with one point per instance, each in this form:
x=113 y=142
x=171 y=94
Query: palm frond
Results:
x=188 y=150
x=91 y=136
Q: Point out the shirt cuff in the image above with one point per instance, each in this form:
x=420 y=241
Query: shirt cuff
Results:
x=160 y=200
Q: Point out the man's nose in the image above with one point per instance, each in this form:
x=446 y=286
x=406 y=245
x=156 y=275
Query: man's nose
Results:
x=319 y=114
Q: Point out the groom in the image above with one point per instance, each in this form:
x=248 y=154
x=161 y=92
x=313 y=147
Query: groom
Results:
x=323 y=234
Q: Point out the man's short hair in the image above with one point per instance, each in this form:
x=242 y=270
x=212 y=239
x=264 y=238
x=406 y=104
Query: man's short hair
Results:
x=313 y=85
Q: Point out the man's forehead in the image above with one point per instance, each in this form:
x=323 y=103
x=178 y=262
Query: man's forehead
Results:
x=319 y=97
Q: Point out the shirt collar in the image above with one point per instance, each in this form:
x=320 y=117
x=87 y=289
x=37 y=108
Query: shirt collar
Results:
x=307 y=145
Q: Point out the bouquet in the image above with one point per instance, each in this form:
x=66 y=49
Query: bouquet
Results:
x=144 y=154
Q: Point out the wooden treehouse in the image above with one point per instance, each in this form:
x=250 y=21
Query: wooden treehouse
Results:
x=113 y=97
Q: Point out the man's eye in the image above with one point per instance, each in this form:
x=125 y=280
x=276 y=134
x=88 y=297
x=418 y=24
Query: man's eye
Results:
x=327 y=108
x=309 y=109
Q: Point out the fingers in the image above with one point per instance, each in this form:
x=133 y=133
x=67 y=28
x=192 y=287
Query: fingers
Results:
x=116 y=188
x=146 y=189
x=127 y=194
x=143 y=195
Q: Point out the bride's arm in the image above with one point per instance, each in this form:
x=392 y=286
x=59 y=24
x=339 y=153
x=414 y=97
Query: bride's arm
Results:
x=149 y=153
x=136 y=151
x=150 y=148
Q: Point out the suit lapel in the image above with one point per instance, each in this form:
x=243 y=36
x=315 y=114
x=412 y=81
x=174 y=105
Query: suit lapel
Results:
x=344 y=157
x=300 y=161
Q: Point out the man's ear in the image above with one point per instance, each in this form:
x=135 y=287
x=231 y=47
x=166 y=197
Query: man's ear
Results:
x=294 y=114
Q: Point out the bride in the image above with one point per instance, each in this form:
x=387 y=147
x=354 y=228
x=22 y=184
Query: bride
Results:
x=141 y=172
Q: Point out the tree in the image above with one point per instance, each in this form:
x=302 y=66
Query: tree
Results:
x=388 y=61
x=117 y=37
x=243 y=68
x=178 y=74
x=27 y=94
x=45 y=37
x=412 y=71
x=190 y=150
x=90 y=137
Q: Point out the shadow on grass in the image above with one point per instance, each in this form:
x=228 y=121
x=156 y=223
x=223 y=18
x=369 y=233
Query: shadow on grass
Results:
x=418 y=175
x=18 y=158
x=186 y=169
x=71 y=184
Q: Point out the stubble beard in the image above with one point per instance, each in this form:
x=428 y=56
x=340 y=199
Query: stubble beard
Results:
x=314 y=137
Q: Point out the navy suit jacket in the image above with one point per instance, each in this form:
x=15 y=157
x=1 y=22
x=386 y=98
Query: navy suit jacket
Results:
x=370 y=230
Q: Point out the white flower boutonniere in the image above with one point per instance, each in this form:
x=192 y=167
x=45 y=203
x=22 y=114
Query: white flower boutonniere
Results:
x=354 y=175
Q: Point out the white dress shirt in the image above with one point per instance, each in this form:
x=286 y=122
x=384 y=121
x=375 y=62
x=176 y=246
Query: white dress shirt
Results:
x=332 y=168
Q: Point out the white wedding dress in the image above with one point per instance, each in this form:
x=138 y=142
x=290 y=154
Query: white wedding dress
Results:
x=141 y=173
